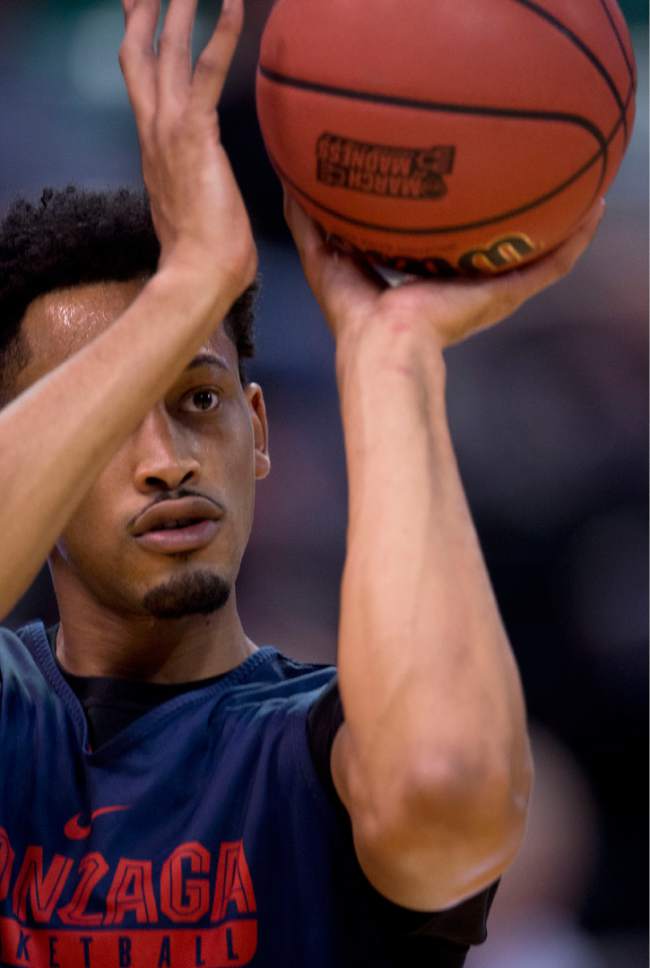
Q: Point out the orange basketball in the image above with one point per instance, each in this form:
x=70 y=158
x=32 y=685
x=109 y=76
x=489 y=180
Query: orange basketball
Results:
x=444 y=136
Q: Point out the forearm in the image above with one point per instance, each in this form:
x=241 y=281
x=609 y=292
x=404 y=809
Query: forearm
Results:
x=429 y=685
x=432 y=760
x=58 y=435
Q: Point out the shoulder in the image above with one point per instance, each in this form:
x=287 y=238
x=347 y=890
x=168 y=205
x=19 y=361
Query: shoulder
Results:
x=10 y=639
x=269 y=698
x=32 y=710
x=17 y=658
x=299 y=674
x=270 y=678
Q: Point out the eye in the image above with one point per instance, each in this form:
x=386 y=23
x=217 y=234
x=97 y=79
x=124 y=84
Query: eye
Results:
x=204 y=400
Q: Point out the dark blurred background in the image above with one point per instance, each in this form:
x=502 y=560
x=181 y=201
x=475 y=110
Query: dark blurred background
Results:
x=549 y=417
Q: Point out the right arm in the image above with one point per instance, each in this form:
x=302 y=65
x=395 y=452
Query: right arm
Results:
x=57 y=436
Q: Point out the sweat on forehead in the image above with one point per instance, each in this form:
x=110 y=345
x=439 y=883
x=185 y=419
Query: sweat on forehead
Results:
x=60 y=323
x=76 y=238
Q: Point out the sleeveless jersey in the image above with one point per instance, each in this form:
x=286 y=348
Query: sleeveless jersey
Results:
x=198 y=837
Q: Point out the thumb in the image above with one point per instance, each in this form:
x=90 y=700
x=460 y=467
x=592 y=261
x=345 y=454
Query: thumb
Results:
x=337 y=278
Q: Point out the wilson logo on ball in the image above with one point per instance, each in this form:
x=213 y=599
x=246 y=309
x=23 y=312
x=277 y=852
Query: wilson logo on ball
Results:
x=391 y=172
x=507 y=250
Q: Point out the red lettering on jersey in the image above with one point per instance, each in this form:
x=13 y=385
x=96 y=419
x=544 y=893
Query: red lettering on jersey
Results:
x=43 y=890
x=185 y=899
x=131 y=890
x=234 y=882
x=92 y=869
x=233 y=943
x=7 y=857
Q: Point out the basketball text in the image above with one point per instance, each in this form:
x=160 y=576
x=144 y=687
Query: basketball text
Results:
x=410 y=173
x=505 y=252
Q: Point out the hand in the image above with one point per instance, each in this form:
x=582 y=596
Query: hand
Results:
x=197 y=209
x=352 y=296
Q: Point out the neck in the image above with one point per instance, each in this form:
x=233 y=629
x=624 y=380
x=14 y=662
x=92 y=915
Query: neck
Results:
x=95 y=640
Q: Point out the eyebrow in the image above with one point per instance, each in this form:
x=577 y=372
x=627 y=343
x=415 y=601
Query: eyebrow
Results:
x=208 y=359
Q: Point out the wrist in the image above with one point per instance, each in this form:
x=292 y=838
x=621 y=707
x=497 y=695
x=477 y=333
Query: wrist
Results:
x=222 y=278
x=203 y=287
x=390 y=346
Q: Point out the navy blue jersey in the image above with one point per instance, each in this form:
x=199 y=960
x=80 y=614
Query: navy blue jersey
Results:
x=200 y=836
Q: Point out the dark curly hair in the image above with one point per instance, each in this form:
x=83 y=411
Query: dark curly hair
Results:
x=74 y=237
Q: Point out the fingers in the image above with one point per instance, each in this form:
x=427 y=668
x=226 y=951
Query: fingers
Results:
x=337 y=279
x=307 y=236
x=175 y=50
x=214 y=63
x=162 y=81
x=533 y=279
x=137 y=56
x=141 y=19
x=568 y=254
x=127 y=7
x=457 y=308
x=485 y=302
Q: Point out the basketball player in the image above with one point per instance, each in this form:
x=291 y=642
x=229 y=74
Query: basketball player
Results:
x=171 y=794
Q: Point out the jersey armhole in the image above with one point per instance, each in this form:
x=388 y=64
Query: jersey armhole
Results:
x=324 y=720
x=313 y=761
x=463 y=925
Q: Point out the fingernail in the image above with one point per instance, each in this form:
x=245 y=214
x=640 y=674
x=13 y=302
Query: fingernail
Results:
x=595 y=215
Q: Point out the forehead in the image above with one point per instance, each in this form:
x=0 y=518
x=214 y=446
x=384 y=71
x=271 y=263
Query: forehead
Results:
x=60 y=323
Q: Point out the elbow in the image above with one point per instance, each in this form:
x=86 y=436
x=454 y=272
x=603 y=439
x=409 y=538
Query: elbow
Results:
x=491 y=789
x=469 y=824
x=487 y=798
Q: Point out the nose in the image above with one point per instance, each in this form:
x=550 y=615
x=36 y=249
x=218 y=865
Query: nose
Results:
x=164 y=453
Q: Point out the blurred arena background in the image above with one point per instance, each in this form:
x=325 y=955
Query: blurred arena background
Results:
x=549 y=415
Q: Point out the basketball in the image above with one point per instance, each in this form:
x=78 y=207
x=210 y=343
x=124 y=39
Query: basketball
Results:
x=443 y=137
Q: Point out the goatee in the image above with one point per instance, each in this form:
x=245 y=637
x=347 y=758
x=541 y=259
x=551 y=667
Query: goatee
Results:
x=196 y=593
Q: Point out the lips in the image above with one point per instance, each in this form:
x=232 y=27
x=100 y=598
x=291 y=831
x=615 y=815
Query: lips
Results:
x=186 y=524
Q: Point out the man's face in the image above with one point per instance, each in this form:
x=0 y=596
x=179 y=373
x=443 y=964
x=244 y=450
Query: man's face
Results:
x=206 y=440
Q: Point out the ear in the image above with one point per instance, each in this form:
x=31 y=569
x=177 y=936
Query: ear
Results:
x=255 y=398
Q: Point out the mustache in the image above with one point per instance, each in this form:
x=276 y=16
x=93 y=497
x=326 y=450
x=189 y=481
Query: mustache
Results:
x=176 y=495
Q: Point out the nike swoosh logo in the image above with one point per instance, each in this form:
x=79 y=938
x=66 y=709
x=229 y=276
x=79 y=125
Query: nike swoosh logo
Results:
x=74 y=829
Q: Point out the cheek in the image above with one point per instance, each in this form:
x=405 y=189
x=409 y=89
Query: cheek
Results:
x=232 y=452
x=242 y=469
x=92 y=530
x=84 y=540
x=237 y=483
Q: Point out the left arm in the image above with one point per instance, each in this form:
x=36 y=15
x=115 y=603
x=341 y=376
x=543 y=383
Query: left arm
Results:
x=432 y=761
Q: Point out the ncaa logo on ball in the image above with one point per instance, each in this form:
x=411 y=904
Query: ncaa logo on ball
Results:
x=385 y=170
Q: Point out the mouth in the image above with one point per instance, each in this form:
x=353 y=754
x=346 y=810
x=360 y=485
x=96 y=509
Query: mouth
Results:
x=178 y=525
x=184 y=534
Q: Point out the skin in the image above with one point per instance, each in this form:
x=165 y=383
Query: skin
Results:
x=101 y=574
x=432 y=761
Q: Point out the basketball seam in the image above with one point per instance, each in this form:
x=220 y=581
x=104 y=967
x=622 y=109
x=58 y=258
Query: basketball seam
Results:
x=313 y=86
x=439 y=230
x=621 y=42
x=584 y=48
x=449 y=229
x=444 y=107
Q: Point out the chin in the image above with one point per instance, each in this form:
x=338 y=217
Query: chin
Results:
x=199 y=592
